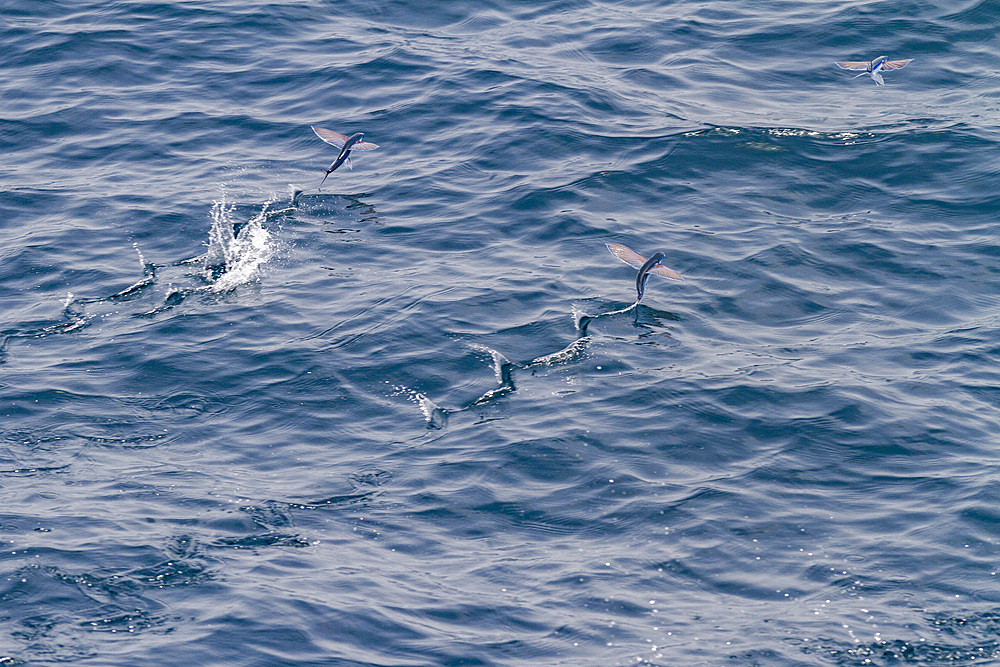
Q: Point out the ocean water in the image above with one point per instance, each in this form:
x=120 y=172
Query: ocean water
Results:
x=386 y=423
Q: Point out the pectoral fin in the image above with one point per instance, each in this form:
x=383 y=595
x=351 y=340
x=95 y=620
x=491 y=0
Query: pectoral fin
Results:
x=666 y=272
x=329 y=136
x=627 y=255
x=895 y=64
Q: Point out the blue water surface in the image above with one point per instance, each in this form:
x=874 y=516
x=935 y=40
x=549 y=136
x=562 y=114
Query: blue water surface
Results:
x=386 y=423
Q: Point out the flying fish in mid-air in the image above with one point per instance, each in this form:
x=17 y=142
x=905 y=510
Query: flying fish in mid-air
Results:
x=874 y=68
x=645 y=266
x=345 y=144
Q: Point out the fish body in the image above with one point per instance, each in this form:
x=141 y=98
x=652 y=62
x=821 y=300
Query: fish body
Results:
x=643 y=275
x=645 y=266
x=874 y=68
x=346 y=144
x=345 y=152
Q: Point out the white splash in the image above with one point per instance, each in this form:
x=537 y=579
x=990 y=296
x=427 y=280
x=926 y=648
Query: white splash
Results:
x=578 y=318
x=500 y=362
x=436 y=417
x=581 y=319
x=242 y=255
x=568 y=353
x=142 y=260
x=501 y=369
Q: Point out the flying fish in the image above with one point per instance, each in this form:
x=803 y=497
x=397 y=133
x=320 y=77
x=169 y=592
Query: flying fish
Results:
x=645 y=266
x=874 y=68
x=346 y=144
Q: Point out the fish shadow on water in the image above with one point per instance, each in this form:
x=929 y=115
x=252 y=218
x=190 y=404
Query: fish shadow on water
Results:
x=320 y=203
x=332 y=209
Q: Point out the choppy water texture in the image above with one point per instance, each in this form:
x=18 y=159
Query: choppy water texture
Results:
x=381 y=425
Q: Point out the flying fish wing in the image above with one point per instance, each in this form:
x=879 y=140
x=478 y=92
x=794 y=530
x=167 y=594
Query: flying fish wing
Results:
x=635 y=260
x=364 y=146
x=852 y=65
x=666 y=272
x=330 y=137
x=895 y=64
x=627 y=255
